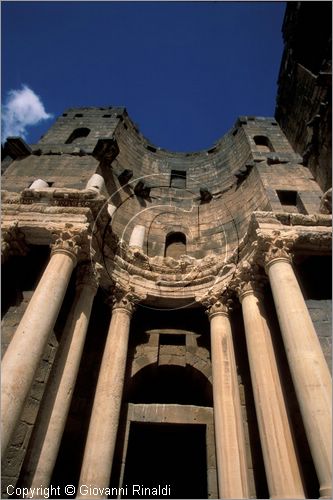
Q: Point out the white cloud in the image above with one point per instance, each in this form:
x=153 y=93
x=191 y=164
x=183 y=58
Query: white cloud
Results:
x=22 y=109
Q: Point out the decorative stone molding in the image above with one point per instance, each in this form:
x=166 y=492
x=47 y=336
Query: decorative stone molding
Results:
x=12 y=243
x=168 y=269
x=88 y=274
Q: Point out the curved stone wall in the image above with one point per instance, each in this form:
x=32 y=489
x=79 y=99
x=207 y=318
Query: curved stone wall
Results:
x=213 y=206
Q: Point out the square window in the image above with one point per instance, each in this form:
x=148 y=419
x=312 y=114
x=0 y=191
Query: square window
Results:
x=288 y=200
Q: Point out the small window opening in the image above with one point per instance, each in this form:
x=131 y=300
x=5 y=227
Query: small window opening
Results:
x=175 y=245
x=106 y=116
x=172 y=339
x=64 y=114
x=78 y=115
x=151 y=148
x=78 y=133
x=263 y=144
x=288 y=200
x=178 y=179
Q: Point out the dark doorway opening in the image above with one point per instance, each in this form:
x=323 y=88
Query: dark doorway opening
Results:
x=175 y=245
x=167 y=454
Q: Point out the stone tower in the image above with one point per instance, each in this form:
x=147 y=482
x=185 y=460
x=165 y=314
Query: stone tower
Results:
x=166 y=315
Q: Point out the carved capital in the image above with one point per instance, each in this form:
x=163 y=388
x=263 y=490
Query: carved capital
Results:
x=272 y=246
x=88 y=274
x=68 y=243
x=12 y=243
x=216 y=303
x=125 y=298
x=248 y=279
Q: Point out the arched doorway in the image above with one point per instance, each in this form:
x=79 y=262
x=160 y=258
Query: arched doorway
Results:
x=169 y=438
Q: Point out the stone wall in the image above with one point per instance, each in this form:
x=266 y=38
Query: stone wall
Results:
x=303 y=106
x=12 y=464
x=223 y=185
x=314 y=276
x=321 y=315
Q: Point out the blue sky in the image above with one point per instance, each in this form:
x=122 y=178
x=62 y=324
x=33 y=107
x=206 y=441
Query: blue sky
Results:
x=184 y=70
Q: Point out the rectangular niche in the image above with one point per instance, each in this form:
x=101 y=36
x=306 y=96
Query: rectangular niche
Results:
x=178 y=179
x=289 y=200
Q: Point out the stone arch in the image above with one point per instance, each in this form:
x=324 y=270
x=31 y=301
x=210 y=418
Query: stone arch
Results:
x=167 y=384
x=263 y=144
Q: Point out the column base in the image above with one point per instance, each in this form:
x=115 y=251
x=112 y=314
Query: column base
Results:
x=325 y=492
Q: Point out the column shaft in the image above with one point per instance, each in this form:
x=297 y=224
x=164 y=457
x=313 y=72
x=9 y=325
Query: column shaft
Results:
x=308 y=367
x=27 y=346
x=103 y=427
x=230 y=444
x=50 y=424
x=282 y=472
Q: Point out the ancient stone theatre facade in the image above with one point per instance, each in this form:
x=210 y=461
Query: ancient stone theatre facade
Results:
x=165 y=315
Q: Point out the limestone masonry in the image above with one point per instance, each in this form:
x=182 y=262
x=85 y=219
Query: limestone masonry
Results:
x=166 y=317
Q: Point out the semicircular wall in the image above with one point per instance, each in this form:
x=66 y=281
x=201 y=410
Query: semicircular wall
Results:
x=198 y=194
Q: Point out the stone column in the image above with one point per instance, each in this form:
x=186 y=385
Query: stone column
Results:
x=137 y=237
x=52 y=415
x=282 y=471
x=29 y=341
x=307 y=364
x=229 y=433
x=96 y=183
x=103 y=426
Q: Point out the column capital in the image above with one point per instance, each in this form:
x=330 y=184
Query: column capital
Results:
x=274 y=246
x=12 y=242
x=69 y=243
x=125 y=298
x=216 y=303
x=248 y=279
x=88 y=274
